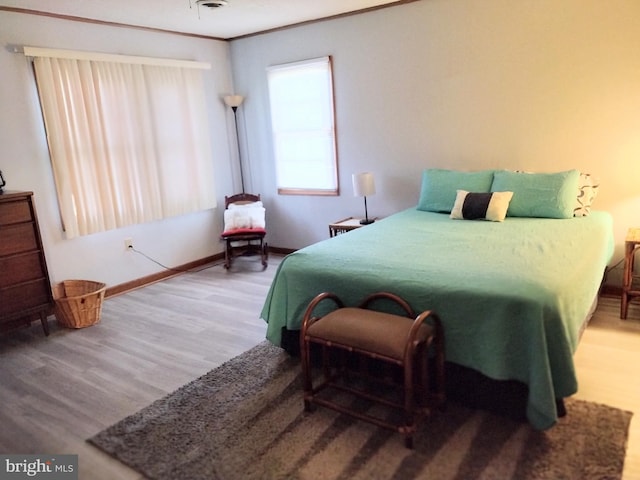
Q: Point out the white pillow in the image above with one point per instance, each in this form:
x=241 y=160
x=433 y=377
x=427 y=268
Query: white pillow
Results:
x=246 y=217
x=256 y=216
x=233 y=206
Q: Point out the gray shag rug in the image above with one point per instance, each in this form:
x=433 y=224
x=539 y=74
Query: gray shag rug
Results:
x=245 y=420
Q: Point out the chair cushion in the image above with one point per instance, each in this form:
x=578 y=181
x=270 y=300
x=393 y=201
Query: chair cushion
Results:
x=242 y=232
x=367 y=330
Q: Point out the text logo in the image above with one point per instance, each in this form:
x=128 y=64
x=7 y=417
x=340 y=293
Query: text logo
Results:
x=50 y=467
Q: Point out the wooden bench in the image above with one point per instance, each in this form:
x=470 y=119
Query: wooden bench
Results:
x=409 y=342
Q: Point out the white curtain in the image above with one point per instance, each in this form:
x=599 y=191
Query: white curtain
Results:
x=128 y=141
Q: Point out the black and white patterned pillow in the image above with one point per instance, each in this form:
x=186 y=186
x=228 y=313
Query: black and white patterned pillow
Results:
x=587 y=191
x=481 y=206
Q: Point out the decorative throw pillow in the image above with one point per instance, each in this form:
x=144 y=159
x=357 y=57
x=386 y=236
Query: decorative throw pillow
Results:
x=247 y=215
x=439 y=187
x=542 y=195
x=481 y=206
x=587 y=191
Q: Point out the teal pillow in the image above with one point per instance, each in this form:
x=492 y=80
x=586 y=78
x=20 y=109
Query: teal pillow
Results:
x=440 y=187
x=542 y=195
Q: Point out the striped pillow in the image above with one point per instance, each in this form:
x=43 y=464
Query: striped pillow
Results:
x=481 y=206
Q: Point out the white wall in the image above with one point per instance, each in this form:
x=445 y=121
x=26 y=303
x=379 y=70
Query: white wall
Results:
x=24 y=158
x=537 y=85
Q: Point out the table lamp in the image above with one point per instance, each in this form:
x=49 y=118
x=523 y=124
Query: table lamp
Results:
x=363 y=186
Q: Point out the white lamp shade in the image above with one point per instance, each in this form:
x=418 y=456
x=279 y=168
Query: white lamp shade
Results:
x=233 y=100
x=363 y=184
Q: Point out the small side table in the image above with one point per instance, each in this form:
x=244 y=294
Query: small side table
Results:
x=630 y=289
x=345 y=225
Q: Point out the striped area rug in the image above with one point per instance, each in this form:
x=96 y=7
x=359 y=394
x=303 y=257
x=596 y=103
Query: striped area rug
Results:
x=245 y=420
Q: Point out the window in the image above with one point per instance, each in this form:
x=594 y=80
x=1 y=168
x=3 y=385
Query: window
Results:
x=302 y=120
x=128 y=138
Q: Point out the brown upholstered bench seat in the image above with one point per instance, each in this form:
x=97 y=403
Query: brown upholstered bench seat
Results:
x=401 y=340
x=376 y=333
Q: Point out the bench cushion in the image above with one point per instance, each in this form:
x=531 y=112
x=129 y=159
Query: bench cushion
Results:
x=368 y=330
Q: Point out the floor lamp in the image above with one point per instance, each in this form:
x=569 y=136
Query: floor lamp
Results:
x=234 y=101
x=363 y=185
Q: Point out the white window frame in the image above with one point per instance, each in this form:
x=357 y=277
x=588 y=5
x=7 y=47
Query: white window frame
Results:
x=303 y=127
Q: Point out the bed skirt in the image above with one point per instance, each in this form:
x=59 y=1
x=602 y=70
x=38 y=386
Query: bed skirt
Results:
x=465 y=386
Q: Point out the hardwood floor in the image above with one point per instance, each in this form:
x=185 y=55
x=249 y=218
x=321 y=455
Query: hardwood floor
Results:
x=58 y=391
x=608 y=361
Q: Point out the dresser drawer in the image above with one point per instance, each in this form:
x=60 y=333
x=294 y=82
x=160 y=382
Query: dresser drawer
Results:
x=14 y=212
x=20 y=268
x=17 y=299
x=18 y=238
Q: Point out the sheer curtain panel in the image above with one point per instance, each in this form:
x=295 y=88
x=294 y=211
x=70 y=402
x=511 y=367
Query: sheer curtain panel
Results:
x=128 y=140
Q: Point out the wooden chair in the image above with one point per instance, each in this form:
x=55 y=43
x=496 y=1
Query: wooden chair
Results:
x=404 y=341
x=246 y=239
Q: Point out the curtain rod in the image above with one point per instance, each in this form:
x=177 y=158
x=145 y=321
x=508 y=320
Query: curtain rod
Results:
x=109 y=57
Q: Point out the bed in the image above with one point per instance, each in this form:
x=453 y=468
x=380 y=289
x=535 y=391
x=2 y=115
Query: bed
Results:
x=513 y=295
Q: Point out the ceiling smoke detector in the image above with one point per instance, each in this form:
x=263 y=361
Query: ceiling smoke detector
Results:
x=211 y=3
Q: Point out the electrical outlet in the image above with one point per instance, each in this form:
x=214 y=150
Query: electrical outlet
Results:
x=128 y=243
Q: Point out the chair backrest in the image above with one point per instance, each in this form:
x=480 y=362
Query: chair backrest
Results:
x=241 y=198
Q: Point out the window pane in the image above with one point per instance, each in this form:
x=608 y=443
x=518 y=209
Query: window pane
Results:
x=302 y=120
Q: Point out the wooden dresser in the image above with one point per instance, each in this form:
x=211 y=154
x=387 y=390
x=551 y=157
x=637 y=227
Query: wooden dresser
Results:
x=25 y=290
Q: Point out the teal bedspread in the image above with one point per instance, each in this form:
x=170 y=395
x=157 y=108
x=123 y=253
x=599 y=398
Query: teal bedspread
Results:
x=512 y=296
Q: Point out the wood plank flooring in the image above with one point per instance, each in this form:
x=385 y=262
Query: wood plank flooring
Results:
x=608 y=366
x=58 y=391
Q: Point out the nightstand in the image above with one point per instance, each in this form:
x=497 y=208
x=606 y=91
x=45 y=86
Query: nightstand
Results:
x=344 y=226
x=630 y=289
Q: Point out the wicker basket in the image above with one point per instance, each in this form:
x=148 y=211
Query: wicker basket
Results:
x=79 y=302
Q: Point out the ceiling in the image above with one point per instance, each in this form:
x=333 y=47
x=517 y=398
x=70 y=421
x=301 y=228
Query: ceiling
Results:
x=238 y=18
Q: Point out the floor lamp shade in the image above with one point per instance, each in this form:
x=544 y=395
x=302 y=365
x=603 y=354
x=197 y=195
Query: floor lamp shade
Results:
x=364 y=186
x=233 y=101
